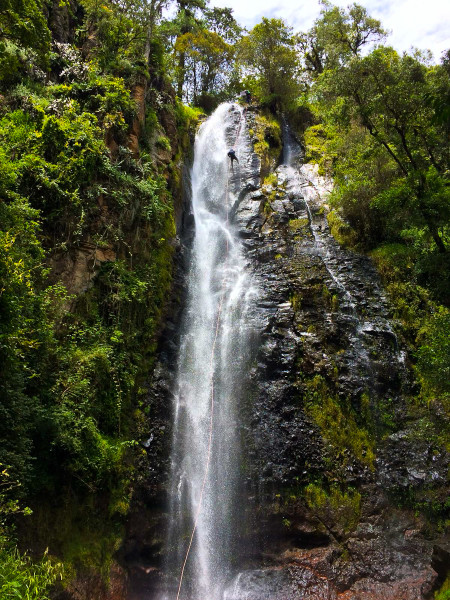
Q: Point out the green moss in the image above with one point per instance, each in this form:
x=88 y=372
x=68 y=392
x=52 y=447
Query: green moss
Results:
x=267 y=207
x=267 y=141
x=337 y=509
x=296 y=301
x=341 y=231
x=337 y=422
x=326 y=294
x=298 y=224
x=187 y=119
x=431 y=502
x=331 y=300
x=444 y=591
x=261 y=148
x=163 y=142
x=271 y=179
x=334 y=302
x=318 y=148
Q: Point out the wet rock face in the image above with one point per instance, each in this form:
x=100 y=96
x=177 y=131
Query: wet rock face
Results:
x=284 y=584
x=325 y=355
x=322 y=315
x=274 y=584
x=313 y=575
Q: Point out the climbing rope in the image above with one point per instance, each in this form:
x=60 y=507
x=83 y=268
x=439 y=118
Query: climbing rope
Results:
x=213 y=351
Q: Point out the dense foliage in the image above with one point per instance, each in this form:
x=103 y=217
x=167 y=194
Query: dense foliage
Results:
x=380 y=130
x=86 y=217
x=20 y=577
x=91 y=142
x=268 y=55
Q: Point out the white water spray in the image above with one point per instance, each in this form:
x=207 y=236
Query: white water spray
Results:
x=211 y=369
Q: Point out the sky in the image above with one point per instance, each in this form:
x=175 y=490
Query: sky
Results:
x=423 y=24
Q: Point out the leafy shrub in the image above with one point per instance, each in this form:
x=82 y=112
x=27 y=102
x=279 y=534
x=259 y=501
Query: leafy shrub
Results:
x=433 y=355
x=341 y=231
x=163 y=142
x=21 y=577
x=336 y=508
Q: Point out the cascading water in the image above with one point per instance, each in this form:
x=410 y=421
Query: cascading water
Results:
x=253 y=361
x=211 y=369
x=366 y=318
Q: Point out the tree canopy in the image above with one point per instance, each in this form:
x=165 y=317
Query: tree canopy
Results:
x=268 y=55
x=94 y=126
x=336 y=36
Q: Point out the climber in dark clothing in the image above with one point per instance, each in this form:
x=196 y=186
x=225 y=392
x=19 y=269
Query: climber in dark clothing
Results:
x=232 y=155
x=248 y=96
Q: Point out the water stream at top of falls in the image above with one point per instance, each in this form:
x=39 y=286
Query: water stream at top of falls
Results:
x=240 y=340
x=210 y=371
x=302 y=180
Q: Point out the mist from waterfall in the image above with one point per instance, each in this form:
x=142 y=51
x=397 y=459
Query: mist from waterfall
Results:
x=211 y=369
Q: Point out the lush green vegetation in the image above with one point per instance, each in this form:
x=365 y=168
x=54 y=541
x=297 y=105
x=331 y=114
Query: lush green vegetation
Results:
x=74 y=369
x=377 y=124
x=338 y=511
x=20 y=577
x=92 y=137
x=444 y=592
x=337 y=423
x=268 y=55
x=85 y=269
x=379 y=128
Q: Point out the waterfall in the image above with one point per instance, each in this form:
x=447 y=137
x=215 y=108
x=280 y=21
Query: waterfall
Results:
x=211 y=370
x=353 y=277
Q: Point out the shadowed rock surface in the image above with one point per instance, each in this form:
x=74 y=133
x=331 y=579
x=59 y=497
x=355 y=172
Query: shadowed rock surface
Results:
x=327 y=358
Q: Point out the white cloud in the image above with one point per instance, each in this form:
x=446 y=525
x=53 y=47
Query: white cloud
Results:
x=414 y=23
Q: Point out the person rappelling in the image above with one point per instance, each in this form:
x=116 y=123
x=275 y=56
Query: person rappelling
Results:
x=232 y=155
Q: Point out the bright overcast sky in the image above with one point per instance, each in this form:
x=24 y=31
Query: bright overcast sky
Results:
x=424 y=24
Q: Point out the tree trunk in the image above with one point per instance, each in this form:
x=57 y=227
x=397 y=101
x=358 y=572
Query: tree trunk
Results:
x=180 y=75
x=437 y=239
x=149 y=36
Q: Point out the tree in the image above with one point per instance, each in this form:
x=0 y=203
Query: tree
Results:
x=222 y=22
x=387 y=94
x=361 y=171
x=23 y=22
x=207 y=60
x=268 y=54
x=120 y=30
x=337 y=36
x=186 y=21
x=24 y=37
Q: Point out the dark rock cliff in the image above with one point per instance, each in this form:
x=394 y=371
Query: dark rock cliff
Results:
x=330 y=373
x=329 y=441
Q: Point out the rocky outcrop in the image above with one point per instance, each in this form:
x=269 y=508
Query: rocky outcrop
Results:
x=77 y=269
x=329 y=391
x=62 y=19
x=90 y=585
x=328 y=441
